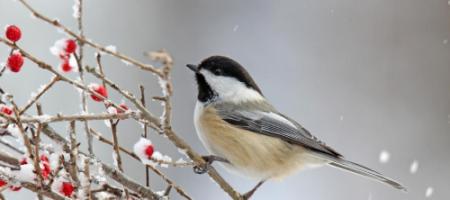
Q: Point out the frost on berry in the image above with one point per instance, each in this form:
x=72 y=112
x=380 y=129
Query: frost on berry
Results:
x=143 y=149
x=13 y=33
x=99 y=89
x=15 y=62
x=63 y=48
x=5 y=109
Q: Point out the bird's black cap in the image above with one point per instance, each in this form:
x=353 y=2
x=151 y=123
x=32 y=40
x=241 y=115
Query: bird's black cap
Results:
x=224 y=66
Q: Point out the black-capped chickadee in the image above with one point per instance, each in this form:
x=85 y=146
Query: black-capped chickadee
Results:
x=239 y=126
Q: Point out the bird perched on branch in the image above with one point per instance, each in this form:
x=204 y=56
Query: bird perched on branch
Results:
x=240 y=128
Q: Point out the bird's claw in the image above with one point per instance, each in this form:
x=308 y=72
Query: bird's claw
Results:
x=201 y=169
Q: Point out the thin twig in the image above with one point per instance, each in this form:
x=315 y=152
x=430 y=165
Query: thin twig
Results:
x=37 y=142
x=38 y=95
x=120 y=56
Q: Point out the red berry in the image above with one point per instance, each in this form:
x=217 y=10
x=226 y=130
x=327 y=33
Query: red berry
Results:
x=15 y=188
x=15 y=62
x=44 y=158
x=100 y=90
x=67 y=189
x=13 y=33
x=5 y=109
x=2 y=183
x=70 y=47
x=46 y=170
x=149 y=151
x=65 y=65
x=124 y=108
x=23 y=161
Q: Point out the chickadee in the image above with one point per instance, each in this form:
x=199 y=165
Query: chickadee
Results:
x=235 y=122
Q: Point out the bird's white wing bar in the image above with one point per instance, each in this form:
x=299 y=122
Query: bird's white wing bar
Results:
x=275 y=125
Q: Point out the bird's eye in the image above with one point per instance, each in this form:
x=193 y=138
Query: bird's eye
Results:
x=217 y=71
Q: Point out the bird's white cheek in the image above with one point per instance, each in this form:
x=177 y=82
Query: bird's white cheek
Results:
x=231 y=90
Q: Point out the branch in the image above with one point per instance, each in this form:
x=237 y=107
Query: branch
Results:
x=118 y=55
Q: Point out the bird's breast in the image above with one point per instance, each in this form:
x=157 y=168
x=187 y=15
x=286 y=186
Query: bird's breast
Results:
x=250 y=154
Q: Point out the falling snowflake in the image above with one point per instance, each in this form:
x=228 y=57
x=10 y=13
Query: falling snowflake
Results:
x=445 y=41
x=341 y=117
x=414 y=167
x=384 y=156
x=235 y=28
x=429 y=192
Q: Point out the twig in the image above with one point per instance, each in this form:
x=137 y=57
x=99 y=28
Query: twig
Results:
x=41 y=92
x=73 y=170
x=144 y=134
x=37 y=142
x=112 y=173
x=58 y=25
x=76 y=117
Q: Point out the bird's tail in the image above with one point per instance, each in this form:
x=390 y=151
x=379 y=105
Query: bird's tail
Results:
x=358 y=169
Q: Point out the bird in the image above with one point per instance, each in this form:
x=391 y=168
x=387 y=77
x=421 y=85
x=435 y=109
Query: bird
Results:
x=249 y=136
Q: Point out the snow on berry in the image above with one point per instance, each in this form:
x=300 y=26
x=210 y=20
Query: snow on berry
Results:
x=15 y=188
x=15 y=62
x=63 y=47
x=5 y=109
x=68 y=63
x=124 y=108
x=143 y=149
x=67 y=188
x=65 y=65
x=98 y=89
x=13 y=33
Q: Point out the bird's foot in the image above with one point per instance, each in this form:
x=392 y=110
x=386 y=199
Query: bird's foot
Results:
x=201 y=169
x=250 y=193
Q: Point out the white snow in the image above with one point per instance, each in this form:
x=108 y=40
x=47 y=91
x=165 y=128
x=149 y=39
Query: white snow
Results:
x=163 y=85
x=44 y=118
x=445 y=41
x=104 y=195
x=111 y=110
x=111 y=48
x=75 y=9
x=384 y=156
x=25 y=173
x=54 y=160
x=58 y=47
x=429 y=192
x=235 y=28
x=115 y=157
x=107 y=123
x=140 y=146
x=14 y=130
x=341 y=117
x=125 y=62
x=414 y=167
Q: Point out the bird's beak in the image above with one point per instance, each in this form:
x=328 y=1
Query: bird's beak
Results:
x=194 y=68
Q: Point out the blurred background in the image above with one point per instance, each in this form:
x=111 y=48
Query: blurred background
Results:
x=370 y=78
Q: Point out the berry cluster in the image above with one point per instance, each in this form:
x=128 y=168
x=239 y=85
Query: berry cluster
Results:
x=65 y=49
x=15 y=60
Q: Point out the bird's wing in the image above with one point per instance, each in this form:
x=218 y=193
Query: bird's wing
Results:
x=275 y=125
